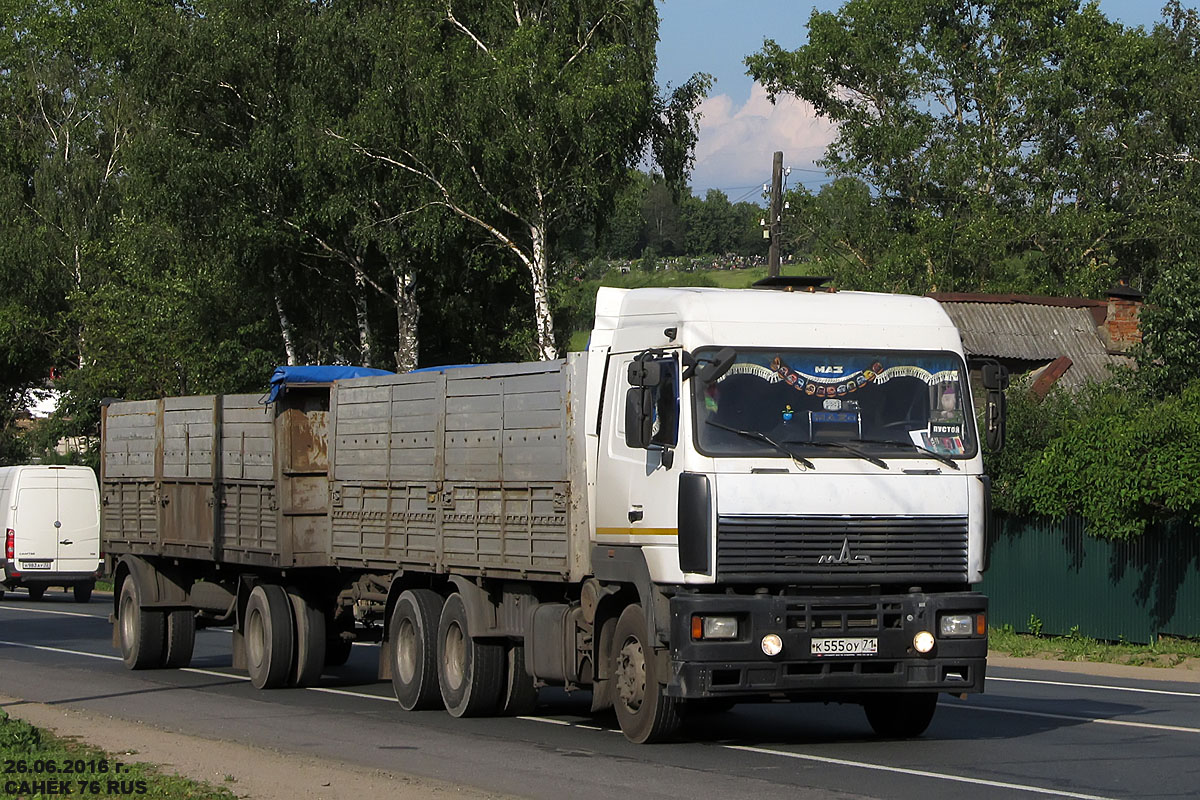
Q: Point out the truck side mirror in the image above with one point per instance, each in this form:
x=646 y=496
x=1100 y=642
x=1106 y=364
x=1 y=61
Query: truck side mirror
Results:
x=995 y=380
x=639 y=417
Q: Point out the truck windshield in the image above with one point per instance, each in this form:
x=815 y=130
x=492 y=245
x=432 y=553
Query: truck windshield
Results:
x=884 y=403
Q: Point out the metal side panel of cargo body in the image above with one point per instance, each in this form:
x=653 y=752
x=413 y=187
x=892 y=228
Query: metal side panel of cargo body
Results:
x=476 y=470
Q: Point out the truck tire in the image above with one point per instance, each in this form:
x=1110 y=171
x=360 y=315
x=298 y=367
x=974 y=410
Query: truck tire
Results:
x=142 y=631
x=413 y=633
x=310 y=641
x=337 y=650
x=181 y=638
x=470 y=672
x=270 y=638
x=520 y=692
x=900 y=716
x=646 y=714
x=83 y=592
x=36 y=592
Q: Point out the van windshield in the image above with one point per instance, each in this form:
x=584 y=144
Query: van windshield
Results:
x=811 y=401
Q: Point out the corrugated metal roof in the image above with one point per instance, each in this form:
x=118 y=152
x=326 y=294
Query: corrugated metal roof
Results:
x=1035 y=333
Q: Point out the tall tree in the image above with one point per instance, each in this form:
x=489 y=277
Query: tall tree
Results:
x=530 y=115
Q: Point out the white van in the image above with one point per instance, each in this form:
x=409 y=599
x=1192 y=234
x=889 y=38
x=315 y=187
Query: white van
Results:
x=51 y=523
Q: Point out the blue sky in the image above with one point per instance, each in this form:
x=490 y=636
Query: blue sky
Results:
x=740 y=129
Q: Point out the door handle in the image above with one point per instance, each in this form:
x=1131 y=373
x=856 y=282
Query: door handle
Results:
x=66 y=541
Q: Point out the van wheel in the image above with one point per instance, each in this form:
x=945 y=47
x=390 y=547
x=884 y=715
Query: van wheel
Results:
x=83 y=592
x=142 y=631
x=181 y=638
x=900 y=716
x=310 y=641
x=36 y=592
x=270 y=640
x=470 y=672
x=644 y=710
x=413 y=633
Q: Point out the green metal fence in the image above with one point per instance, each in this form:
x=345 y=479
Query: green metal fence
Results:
x=1056 y=573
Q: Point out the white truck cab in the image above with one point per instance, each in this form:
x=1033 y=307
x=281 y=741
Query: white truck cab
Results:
x=51 y=523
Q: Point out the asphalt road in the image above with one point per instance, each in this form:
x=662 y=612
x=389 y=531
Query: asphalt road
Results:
x=1035 y=733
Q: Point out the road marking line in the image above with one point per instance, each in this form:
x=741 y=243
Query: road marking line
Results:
x=1119 y=722
x=60 y=650
x=1020 y=787
x=48 y=611
x=1096 y=686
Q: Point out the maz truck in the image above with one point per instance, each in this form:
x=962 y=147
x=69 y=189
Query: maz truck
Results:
x=733 y=496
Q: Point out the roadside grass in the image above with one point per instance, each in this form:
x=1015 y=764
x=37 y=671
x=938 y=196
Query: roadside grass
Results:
x=1166 y=652
x=32 y=755
x=104 y=585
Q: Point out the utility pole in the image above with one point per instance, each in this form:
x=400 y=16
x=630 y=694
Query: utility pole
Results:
x=775 y=210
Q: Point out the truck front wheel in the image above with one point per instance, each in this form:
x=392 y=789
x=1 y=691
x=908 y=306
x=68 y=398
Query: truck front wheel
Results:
x=900 y=716
x=645 y=712
x=470 y=671
x=413 y=635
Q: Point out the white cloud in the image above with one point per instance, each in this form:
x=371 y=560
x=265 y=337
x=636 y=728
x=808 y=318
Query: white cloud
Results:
x=736 y=144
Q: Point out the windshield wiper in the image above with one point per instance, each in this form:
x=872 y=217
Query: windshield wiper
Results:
x=913 y=446
x=762 y=437
x=879 y=462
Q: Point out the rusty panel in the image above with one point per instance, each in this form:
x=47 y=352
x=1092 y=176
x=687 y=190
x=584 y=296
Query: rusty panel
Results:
x=187 y=515
x=130 y=512
x=248 y=517
x=305 y=440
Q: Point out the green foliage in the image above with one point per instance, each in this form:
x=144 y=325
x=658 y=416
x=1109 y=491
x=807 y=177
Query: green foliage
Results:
x=1170 y=324
x=1121 y=459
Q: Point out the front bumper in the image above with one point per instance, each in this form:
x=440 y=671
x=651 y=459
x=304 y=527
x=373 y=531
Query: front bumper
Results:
x=740 y=668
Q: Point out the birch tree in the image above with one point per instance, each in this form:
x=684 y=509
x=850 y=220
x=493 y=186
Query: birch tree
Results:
x=526 y=115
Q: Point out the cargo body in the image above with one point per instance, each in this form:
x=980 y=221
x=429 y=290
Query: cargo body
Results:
x=732 y=496
x=52 y=529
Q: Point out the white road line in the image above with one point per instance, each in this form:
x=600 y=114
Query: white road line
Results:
x=1074 y=718
x=60 y=650
x=1096 y=686
x=1019 y=787
x=60 y=613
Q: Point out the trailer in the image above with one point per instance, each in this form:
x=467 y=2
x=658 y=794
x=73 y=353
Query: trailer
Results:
x=732 y=496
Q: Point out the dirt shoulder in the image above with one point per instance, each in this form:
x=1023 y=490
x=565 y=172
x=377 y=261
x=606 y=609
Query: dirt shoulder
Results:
x=249 y=772
x=1186 y=672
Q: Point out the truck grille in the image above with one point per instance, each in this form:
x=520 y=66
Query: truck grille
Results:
x=842 y=550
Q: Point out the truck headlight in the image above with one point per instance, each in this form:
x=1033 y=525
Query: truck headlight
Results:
x=962 y=625
x=714 y=627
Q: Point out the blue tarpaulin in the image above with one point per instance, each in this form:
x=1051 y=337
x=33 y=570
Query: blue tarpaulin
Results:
x=283 y=377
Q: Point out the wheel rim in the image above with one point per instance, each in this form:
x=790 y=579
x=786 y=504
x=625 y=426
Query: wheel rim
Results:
x=455 y=656
x=128 y=623
x=406 y=651
x=256 y=637
x=631 y=675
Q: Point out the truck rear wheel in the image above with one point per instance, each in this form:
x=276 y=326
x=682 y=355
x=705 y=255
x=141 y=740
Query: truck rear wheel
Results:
x=470 y=672
x=310 y=641
x=181 y=638
x=520 y=692
x=270 y=640
x=142 y=631
x=413 y=632
x=900 y=716
x=645 y=712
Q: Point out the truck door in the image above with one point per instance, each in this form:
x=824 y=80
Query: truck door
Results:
x=79 y=522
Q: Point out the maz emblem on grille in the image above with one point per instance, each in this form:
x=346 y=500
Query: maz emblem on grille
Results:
x=844 y=557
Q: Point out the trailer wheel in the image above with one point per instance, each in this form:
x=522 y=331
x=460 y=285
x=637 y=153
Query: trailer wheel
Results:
x=181 y=638
x=900 y=716
x=310 y=641
x=645 y=712
x=520 y=692
x=413 y=632
x=36 y=592
x=83 y=592
x=470 y=672
x=270 y=641
x=142 y=631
